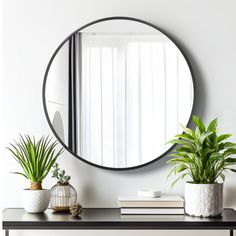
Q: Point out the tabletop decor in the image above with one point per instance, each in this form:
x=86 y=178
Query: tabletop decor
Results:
x=36 y=159
x=110 y=220
x=141 y=205
x=63 y=195
x=76 y=210
x=204 y=156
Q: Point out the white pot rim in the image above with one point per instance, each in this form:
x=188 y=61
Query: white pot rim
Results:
x=34 y=190
x=191 y=183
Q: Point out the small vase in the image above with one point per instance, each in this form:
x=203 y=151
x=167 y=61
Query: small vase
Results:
x=204 y=200
x=35 y=201
x=62 y=197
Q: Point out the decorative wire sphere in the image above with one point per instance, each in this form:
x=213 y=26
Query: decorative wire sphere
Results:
x=62 y=197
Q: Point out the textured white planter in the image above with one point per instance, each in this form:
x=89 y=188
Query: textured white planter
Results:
x=35 y=201
x=203 y=200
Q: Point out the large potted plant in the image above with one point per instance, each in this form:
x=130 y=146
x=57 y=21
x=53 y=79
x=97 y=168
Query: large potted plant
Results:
x=36 y=159
x=204 y=156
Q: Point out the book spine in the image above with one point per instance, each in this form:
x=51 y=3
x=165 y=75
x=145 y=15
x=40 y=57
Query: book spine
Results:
x=150 y=204
x=152 y=211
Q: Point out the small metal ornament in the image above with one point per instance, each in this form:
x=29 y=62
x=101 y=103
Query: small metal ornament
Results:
x=76 y=210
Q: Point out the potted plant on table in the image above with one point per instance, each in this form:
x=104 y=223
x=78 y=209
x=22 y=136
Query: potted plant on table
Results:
x=36 y=159
x=204 y=156
x=63 y=195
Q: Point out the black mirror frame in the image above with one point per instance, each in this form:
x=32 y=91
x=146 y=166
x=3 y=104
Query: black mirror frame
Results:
x=45 y=81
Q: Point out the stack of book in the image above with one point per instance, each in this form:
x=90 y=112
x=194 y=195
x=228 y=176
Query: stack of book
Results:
x=163 y=205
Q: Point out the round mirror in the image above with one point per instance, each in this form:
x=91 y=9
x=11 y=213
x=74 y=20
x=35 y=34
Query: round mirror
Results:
x=122 y=88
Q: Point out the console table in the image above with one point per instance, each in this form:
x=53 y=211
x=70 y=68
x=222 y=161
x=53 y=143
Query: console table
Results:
x=110 y=218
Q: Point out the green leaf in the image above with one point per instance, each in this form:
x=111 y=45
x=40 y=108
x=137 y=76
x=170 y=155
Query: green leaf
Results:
x=233 y=170
x=35 y=158
x=177 y=141
x=60 y=174
x=186 y=149
x=180 y=177
x=19 y=173
x=197 y=121
x=216 y=157
x=222 y=176
x=213 y=125
x=202 y=154
x=203 y=136
x=229 y=152
x=197 y=133
x=231 y=160
x=223 y=137
x=188 y=130
x=185 y=136
x=180 y=168
x=228 y=145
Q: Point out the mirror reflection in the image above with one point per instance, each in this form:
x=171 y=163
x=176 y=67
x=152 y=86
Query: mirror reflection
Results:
x=122 y=88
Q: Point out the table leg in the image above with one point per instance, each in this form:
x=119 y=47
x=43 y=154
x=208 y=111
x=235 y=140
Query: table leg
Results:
x=231 y=232
x=6 y=232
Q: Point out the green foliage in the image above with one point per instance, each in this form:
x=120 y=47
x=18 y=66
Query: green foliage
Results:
x=35 y=158
x=201 y=154
x=60 y=175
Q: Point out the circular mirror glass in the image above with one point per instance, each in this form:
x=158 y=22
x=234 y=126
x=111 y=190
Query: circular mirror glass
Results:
x=122 y=88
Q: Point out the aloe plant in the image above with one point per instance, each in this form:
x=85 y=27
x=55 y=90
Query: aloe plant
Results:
x=35 y=157
x=202 y=154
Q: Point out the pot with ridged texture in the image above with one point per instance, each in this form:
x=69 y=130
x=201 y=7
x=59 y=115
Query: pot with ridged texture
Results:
x=204 y=200
x=35 y=201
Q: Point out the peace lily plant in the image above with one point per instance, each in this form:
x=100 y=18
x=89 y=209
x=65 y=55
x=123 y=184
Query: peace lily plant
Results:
x=36 y=159
x=204 y=157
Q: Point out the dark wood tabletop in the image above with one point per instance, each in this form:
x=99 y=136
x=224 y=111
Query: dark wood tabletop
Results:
x=110 y=218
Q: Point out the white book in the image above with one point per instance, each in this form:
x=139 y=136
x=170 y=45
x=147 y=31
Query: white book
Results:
x=162 y=201
x=152 y=211
x=163 y=197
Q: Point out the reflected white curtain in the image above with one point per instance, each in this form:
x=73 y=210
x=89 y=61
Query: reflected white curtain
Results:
x=134 y=92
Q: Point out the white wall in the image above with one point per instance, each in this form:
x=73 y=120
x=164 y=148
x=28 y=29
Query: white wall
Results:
x=33 y=29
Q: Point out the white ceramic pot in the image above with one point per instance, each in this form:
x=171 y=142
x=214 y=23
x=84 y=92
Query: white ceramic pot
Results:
x=35 y=201
x=203 y=200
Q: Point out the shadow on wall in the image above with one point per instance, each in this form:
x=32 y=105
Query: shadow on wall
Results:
x=58 y=125
x=229 y=199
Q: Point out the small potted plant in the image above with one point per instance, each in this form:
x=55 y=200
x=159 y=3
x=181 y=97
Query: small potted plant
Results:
x=63 y=195
x=36 y=159
x=204 y=156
